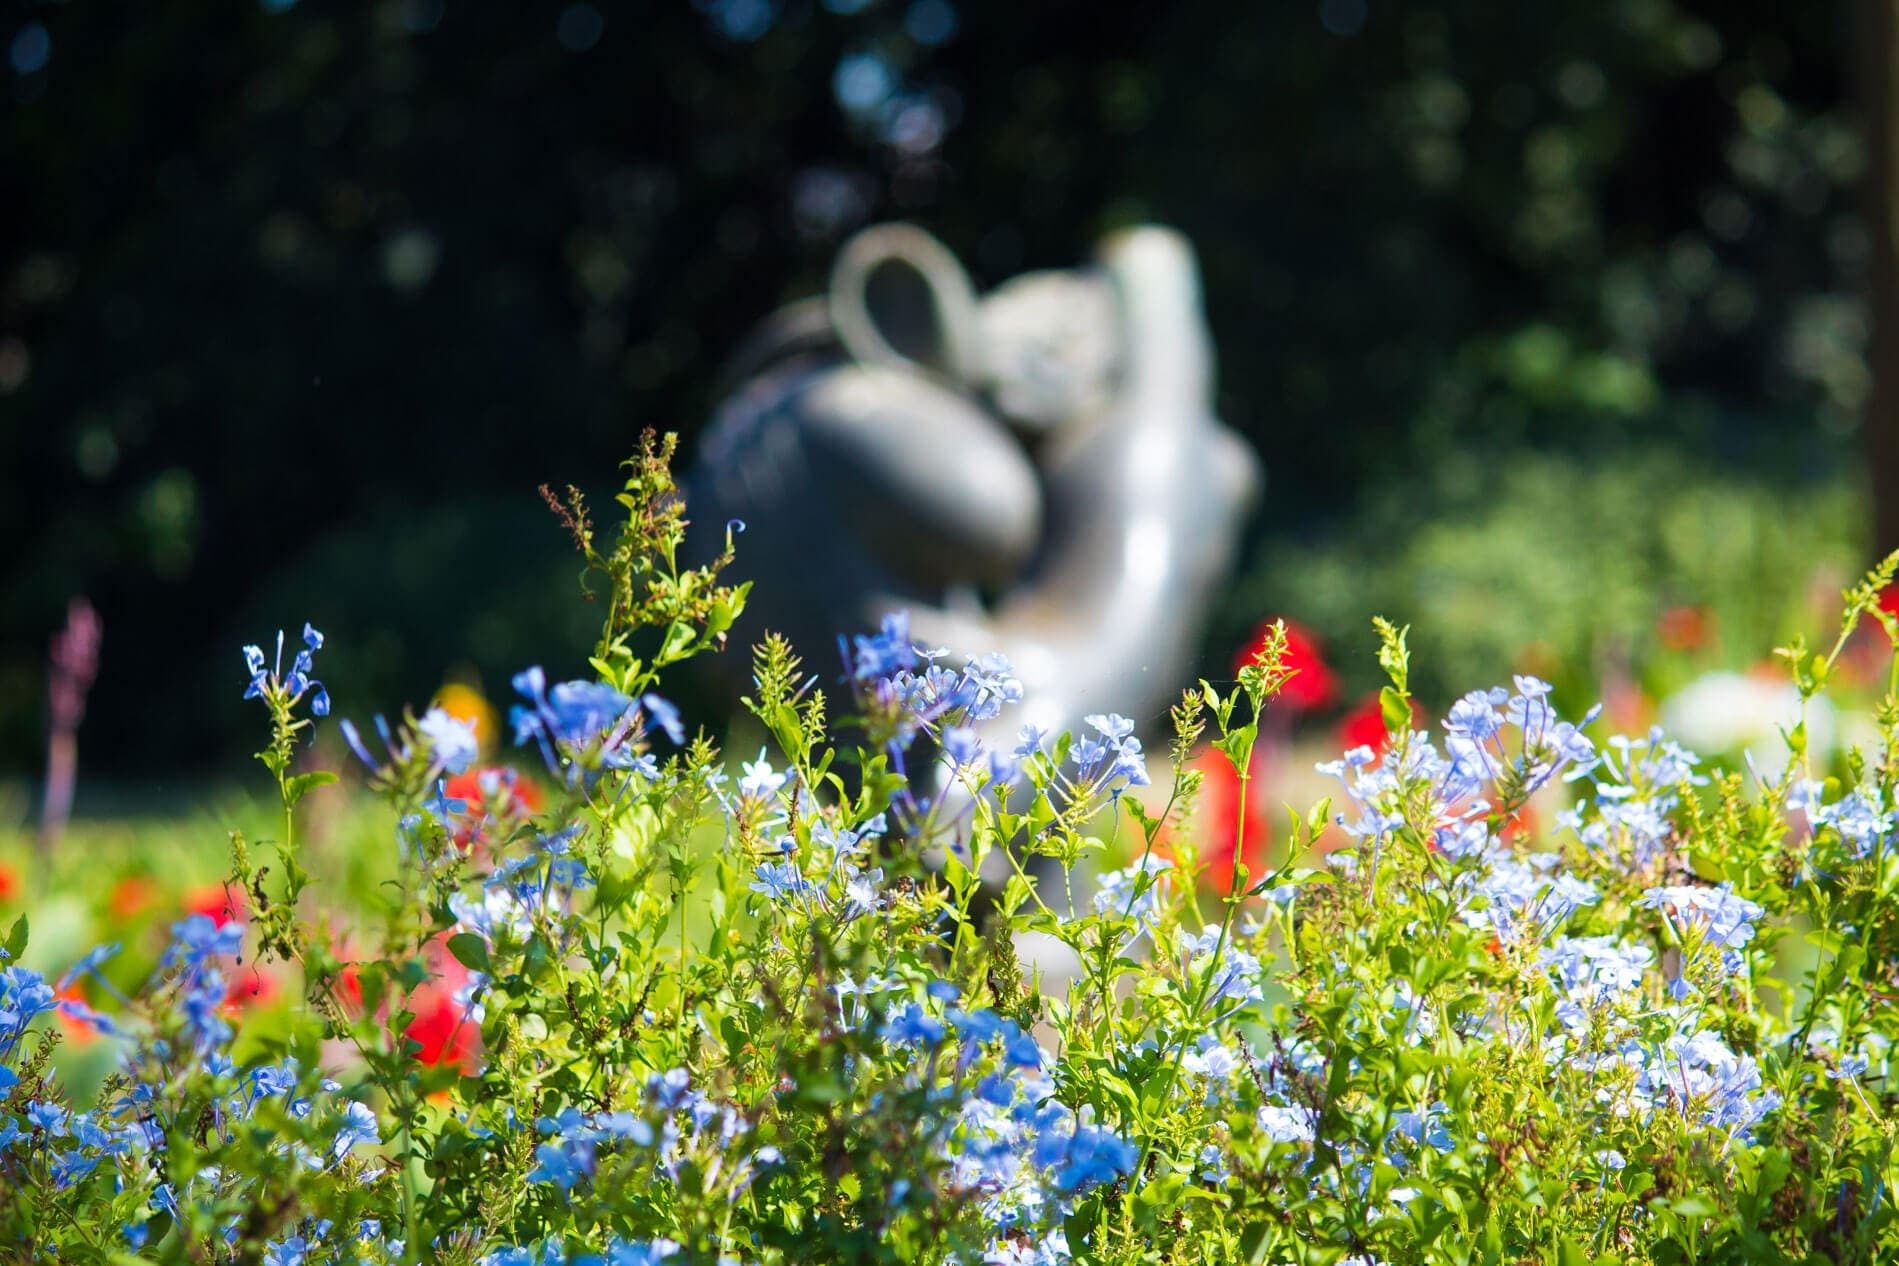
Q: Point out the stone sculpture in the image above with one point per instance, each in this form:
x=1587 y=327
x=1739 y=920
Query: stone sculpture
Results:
x=1037 y=470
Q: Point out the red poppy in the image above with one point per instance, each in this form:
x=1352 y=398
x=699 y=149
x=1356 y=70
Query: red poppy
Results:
x=9 y=883
x=349 y=989
x=221 y=903
x=1364 y=725
x=249 y=987
x=441 y=1028
x=1313 y=685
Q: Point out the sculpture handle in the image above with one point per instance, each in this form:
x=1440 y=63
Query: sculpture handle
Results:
x=899 y=299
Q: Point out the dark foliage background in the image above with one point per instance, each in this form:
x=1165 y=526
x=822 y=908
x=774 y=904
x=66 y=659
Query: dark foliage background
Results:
x=299 y=302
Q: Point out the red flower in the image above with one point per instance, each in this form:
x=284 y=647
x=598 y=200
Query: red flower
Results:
x=221 y=903
x=443 y=1033
x=249 y=987
x=441 y=1028
x=9 y=883
x=349 y=989
x=1313 y=685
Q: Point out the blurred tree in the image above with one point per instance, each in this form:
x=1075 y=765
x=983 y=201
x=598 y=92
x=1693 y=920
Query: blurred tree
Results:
x=1878 y=68
x=284 y=287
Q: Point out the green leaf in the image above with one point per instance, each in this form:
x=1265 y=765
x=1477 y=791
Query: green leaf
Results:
x=303 y=784
x=16 y=939
x=470 y=951
x=1570 y=1253
x=1396 y=710
x=677 y=644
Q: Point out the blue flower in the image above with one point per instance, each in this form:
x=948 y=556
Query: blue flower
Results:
x=1475 y=716
x=961 y=745
x=24 y=996
x=573 y=712
x=1722 y=917
x=887 y=653
x=203 y=1007
x=358 y=1126
x=1113 y=763
x=760 y=779
x=665 y=716
x=1235 y=974
x=861 y=896
x=1019 y=1047
x=89 y=965
x=1288 y=1124
x=562 y=1164
x=290 y=1251
x=509 y=1257
x=297 y=682
x=669 y=1090
x=779 y=880
x=635 y=1253
x=49 y=1117
x=71 y=1166
x=913 y=1026
x=579 y=717
x=197 y=938
x=1083 y=1158
x=452 y=742
x=1425 y=1128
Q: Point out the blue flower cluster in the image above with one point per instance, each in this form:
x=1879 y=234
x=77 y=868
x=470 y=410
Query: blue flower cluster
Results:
x=1109 y=761
x=945 y=703
x=582 y=726
x=1478 y=771
x=617 y=1252
x=294 y=685
x=129 y=1129
x=1636 y=790
x=1861 y=817
x=677 y=1124
x=1605 y=1024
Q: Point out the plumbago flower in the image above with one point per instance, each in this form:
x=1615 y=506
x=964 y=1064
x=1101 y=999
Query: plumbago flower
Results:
x=584 y=727
x=870 y=994
x=274 y=685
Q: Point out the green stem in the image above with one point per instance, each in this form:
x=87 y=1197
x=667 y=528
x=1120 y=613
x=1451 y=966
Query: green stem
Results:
x=1233 y=899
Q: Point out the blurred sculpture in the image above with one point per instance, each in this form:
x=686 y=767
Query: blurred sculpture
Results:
x=1036 y=471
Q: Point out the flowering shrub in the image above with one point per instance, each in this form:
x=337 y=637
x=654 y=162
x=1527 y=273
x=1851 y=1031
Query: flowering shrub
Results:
x=654 y=1011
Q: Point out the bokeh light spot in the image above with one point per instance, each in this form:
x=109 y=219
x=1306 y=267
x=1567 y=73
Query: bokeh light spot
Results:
x=31 y=49
x=931 y=22
x=862 y=81
x=580 y=28
x=1342 y=17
